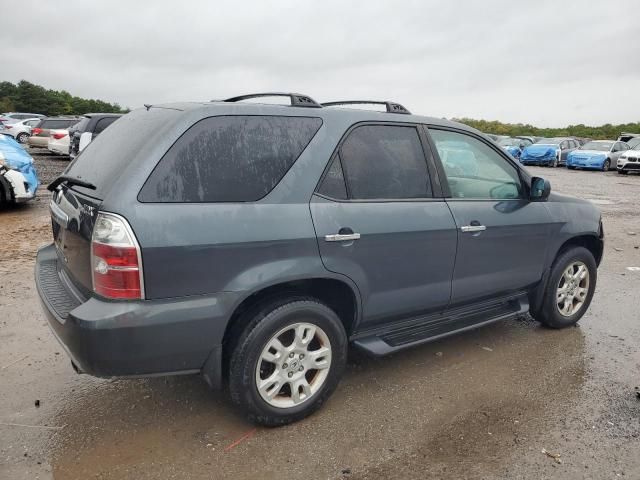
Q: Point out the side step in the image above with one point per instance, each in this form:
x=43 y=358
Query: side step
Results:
x=386 y=340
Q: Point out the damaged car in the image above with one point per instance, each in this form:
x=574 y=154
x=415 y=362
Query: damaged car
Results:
x=18 y=178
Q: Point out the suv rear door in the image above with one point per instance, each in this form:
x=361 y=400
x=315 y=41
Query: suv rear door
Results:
x=381 y=221
x=502 y=236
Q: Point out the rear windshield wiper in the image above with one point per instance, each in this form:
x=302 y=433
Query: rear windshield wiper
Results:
x=70 y=181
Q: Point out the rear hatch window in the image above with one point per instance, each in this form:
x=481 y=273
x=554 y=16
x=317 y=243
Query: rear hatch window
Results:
x=104 y=159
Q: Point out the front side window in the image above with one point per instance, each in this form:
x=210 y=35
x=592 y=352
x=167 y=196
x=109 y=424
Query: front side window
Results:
x=385 y=162
x=229 y=159
x=473 y=169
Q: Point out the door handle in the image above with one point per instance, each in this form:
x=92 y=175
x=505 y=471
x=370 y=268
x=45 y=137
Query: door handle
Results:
x=473 y=228
x=342 y=237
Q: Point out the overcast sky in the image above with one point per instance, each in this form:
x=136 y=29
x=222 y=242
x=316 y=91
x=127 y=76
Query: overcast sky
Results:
x=549 y=63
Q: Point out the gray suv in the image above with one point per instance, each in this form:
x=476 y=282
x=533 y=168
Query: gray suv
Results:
x=254 y=243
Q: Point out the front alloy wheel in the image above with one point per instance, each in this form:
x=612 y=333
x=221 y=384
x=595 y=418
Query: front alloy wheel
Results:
x=606 y=165
x=573 y=288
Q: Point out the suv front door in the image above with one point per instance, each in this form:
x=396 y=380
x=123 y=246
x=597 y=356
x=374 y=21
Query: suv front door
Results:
x=386 y=227
x=502 y=236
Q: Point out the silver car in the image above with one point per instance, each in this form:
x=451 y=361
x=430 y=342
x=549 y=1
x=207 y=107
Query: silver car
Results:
x=20 y=130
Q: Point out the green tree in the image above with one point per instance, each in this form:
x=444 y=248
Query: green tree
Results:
x=29 y=97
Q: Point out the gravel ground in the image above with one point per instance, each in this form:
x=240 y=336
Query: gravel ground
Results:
x=481 y=405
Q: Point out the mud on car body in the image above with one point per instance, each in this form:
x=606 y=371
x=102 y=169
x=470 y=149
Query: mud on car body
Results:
x=254 y=243
x=18 y=178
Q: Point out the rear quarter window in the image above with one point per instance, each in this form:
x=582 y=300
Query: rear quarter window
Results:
x=229 y=159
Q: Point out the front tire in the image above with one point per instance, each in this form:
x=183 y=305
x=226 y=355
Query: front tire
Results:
x=606 y=165
x=22 y=138
x=569 y=290
x=287 y=361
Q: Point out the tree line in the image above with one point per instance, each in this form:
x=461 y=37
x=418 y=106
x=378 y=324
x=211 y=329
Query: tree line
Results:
x=603 y=132
x=29 y=97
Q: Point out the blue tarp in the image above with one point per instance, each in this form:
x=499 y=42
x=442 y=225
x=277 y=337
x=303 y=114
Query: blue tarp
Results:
x=539 y=152
x=18 y=159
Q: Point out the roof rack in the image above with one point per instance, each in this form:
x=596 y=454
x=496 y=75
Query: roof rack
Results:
x=392 y=107
x=297 y=99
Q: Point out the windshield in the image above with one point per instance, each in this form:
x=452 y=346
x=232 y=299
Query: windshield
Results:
x=634 y=143
x=510 y=142
x=599 y=146
x=548 y=141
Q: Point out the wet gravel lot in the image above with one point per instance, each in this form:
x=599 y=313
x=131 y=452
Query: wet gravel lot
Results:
x=484 y=404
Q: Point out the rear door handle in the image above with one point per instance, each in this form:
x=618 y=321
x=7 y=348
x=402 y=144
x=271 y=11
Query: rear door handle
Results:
x=338 y=237
x=473 y=228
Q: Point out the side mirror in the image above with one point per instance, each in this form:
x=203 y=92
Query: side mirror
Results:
x=540 y=189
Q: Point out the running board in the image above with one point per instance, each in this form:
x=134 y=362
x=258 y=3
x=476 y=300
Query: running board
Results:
x=384 y=341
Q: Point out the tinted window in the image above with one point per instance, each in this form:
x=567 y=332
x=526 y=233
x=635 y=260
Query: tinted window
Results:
x=81 y=125
x=103 y=123
x=382 y=161
x=105 y=159
x=52 y=124
x=229 y=159
x=333 y=185
x=474 y=169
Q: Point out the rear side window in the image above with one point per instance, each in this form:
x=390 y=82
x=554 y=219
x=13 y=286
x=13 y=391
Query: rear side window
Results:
x=229 y=159
x=385 y=162
x=103 y=123
x=333 y=185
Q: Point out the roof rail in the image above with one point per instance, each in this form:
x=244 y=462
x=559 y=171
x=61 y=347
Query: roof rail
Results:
x=392 y=107
x=297 y=99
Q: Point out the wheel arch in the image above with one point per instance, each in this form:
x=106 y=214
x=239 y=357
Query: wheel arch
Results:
x=337 y=294
x=593 y=243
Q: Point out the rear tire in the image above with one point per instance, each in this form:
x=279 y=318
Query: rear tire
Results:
x=271 y=361
x=22 y=138
x=568 y=292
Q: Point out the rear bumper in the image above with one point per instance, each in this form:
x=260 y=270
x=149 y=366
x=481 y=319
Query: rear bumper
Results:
x=38 y=141
x=133 y=338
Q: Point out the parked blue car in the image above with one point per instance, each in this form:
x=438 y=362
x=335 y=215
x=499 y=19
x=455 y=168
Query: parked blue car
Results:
x=597 y=155
x=548 y=151
x=514 y=146
x=18 y=178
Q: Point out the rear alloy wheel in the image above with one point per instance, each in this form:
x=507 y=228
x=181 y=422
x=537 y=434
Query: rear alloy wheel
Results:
x=289 y=375
x=606 y=165
x=22 y=137
x=287 y=361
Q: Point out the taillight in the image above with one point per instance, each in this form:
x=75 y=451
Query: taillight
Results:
x=116 y=263
x=36 y=131
x=58 y=136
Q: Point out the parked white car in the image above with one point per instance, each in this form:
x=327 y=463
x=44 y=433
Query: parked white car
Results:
x=59 y=142
x=629 y=161
x=20 y=130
